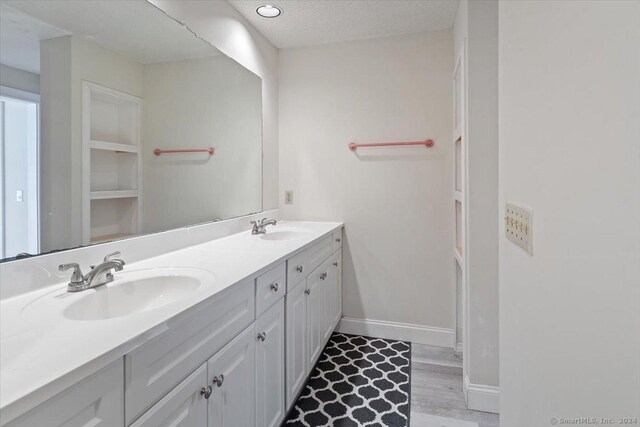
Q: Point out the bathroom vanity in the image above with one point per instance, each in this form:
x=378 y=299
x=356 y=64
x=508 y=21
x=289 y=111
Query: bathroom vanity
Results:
x=224 y=333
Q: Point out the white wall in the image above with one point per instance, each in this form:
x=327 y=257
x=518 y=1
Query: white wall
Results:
x=396 y=201
x=223 y=26
x=476 y=31
x=201 y=102
x=570 y=150
x=19 y=79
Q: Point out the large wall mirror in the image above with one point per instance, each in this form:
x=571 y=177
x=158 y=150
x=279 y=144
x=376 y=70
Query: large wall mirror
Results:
x=117 y=122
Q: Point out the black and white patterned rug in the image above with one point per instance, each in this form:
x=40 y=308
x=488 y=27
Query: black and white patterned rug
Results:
x=358 y=381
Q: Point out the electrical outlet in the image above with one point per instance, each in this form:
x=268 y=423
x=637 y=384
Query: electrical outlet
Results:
x=18 y=195
x=518 y=222
x=288 y=197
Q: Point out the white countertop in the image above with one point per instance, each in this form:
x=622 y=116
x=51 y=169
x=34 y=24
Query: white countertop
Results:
x=42 y=352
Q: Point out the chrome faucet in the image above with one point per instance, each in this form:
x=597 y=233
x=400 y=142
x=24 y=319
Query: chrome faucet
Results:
x=259 y=227
x=99 y=275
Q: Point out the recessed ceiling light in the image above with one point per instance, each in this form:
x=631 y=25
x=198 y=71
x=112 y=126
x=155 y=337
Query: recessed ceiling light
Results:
x=268 y=11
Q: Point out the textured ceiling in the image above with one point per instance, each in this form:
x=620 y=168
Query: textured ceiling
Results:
x=134 y=28
x=312 y=22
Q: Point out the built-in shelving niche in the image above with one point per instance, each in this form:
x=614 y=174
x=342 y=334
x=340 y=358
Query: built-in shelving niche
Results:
x=458 y=164
x=111 y=163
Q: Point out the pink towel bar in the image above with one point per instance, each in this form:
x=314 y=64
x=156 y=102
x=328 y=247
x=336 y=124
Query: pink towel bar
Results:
x=427 y=143
x=209 y=150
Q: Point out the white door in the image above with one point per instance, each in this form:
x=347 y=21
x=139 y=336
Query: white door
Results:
x=231 y=373
x=315 y=314
x=19 y=175
x=184 y=406
x=296 y=339
x=270 y=366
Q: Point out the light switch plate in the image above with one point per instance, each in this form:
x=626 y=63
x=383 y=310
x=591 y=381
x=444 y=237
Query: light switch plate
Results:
x=518 y=227
x=288 y=197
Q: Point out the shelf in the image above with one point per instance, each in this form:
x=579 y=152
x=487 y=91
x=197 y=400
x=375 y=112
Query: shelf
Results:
x=108 y=237
x=114 y=146
x=113 y=194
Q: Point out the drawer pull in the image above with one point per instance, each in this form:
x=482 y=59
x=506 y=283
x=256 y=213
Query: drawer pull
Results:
x=323 y=276
x=262 y=336
x=274 y=287
x=218 y=380
x=335 y=264
x=338 y=239
x=206 y=392
x=307 y=291
x=299 y=269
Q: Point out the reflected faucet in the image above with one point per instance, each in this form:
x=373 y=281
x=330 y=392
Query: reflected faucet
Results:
x=259 y=227
x=99 y=275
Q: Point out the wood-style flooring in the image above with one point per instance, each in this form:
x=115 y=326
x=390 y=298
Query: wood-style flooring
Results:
x=437 y=399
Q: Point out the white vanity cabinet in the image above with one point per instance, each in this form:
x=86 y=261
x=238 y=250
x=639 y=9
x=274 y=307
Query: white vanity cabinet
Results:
x=154 y=368
x=231 y=373
x=238 y=360
x=270 y=348
x=313 y=309
x=98 y=401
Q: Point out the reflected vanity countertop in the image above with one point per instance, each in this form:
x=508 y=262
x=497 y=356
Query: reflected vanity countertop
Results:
x=42 y=351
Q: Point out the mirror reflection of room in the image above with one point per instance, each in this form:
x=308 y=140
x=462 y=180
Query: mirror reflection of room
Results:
x=119 y=122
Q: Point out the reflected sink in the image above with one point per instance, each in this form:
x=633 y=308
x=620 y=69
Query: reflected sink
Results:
x=130 y=293
x=283 y=235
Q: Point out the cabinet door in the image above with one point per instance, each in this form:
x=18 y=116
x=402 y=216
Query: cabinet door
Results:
x=296 y=339
x=336 y=282
x=316 y=295
x=270 y=367
x=184 y=406
x=95 y=401
x=231 y=373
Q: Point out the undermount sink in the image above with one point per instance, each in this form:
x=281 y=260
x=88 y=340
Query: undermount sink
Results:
x=130 y=293
x=283 y=235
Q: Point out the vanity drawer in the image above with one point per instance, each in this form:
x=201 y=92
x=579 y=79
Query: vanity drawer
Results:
x=318 y=253
x=270 y=287
x=299 y=266
x=157 y=366
x=336 y=238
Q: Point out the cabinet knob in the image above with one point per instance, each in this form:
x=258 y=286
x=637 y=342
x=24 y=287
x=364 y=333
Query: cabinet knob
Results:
x=338 y=239
x=218 y=380
x=299 y=269
x=274 y=287
x=335 y=264
x=206 y=391
x=262 y=336
x=307 y=291
x=323 y=276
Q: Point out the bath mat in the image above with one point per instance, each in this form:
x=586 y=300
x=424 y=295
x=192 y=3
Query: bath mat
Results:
x=358 y=381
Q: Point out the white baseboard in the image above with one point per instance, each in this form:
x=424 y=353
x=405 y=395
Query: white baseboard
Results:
x=482 y=397
x=419 y=334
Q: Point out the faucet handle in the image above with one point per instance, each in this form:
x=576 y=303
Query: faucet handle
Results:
x=111 y=255
x=76 y=276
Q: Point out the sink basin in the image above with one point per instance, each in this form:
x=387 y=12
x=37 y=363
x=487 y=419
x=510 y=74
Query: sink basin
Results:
x=125 y=297
x=283 y=235
x=130 y=293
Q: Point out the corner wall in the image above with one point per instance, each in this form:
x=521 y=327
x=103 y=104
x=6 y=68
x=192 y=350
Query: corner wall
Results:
x=395 y=202
x=476 y=32
x=570 y=150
